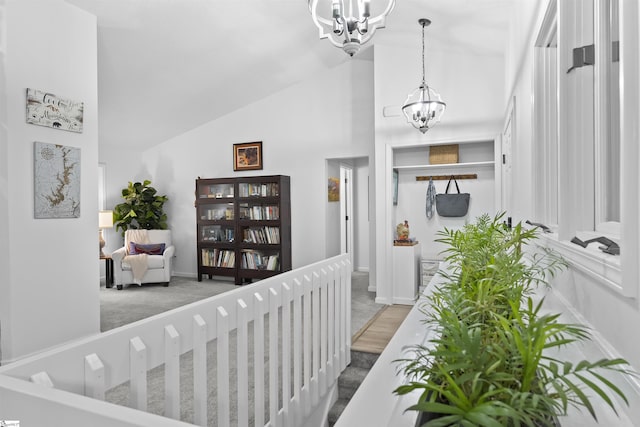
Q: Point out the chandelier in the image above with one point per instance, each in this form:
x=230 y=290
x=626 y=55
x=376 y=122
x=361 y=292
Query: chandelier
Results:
x=424 y=106
x=348 y=24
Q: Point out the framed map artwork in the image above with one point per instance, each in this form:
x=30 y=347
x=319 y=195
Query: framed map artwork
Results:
x=56 y=181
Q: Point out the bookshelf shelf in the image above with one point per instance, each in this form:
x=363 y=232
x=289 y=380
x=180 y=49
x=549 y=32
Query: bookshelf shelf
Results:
x=243 y=227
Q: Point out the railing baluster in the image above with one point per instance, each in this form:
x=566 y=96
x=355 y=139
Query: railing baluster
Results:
x=315 y=372
x=199 y=371
x=307 y=345
x=332 y=321
x=41 y=378
x=242 y=363
x=258 y=354
x=346 y=281
x=94 y=385
x=297 y=351
x=171 y=372
x=273 y=358
x=338 y=320
x=324 y=320
x=286 y=351
x=223 y=367
x=138 y=374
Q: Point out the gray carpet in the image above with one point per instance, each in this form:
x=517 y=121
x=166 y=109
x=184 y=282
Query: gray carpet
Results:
x=138 y=302
x=135 y=302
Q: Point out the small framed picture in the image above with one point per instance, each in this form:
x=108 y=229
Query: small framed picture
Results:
x=247 y=156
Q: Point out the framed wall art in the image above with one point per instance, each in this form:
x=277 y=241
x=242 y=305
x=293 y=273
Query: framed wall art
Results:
x=57 y=181
x=247 y=156
x=334 y=189
x=47 y=109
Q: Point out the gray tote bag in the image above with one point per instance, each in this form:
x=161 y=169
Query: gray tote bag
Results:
x=452 y=204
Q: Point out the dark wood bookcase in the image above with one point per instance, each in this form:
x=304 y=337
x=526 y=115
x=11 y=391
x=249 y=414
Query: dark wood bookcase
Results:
x=243 y=227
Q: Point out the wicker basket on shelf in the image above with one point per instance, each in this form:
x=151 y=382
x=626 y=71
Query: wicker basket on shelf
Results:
x=443 y=154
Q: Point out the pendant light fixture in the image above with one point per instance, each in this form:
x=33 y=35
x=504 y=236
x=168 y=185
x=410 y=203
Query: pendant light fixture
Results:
x=348 y=24
x=424 y=106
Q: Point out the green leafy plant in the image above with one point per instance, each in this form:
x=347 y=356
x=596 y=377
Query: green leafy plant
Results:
x=495 y=361
x=142 y=208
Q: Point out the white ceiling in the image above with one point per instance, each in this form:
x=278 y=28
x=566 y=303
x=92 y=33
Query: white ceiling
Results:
x=168 y=66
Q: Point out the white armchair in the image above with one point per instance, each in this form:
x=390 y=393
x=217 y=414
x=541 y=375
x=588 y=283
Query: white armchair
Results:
x=159 y=267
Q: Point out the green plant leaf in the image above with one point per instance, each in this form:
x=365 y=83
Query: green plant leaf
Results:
x=488 y=364
x=142 y=208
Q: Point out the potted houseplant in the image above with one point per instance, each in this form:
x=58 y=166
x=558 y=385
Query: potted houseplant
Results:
x=142 y=208
x=492 y=363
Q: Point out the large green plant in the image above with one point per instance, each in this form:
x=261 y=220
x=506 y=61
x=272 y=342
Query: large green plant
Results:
x=495 y=362
x=142 y=208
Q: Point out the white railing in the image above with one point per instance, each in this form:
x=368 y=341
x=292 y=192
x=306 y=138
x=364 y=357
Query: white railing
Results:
x=290 y=335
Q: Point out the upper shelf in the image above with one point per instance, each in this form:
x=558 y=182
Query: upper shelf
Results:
x=445 y=166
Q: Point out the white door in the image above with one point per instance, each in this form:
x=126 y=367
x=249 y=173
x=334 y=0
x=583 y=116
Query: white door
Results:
x=506 y=160
x=346 y=211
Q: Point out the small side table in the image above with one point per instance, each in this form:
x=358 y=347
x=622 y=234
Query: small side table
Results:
x=108 y=270
x=406 y=257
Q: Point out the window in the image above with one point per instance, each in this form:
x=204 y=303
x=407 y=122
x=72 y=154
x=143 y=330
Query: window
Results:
x=545 y=130
x=577 y=119
x=586 y=133
x=607 y=157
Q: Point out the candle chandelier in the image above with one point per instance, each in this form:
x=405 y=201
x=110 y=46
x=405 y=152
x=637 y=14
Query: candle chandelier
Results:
x=424 y=106
x=348 y=24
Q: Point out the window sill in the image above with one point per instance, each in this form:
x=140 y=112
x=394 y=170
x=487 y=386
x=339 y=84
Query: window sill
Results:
x=602 y=267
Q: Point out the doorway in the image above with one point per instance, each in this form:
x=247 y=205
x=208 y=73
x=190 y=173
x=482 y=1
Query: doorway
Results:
x=347 y=210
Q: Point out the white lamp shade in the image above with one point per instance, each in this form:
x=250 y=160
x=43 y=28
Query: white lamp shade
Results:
x=105 y=219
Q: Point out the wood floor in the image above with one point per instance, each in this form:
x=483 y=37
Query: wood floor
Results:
x=376 y=334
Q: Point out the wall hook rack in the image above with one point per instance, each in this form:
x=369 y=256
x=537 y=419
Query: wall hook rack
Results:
x=447 y=177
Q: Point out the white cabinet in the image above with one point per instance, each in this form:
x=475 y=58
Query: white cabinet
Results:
x=406 y=266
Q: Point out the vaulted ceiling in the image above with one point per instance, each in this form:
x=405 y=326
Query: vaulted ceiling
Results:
x=168 y=66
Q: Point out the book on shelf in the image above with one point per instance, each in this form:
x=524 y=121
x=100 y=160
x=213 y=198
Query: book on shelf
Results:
x=218 y=258
x=270 y=189
x=256 y=260
x=264 y=235
x=259 y=212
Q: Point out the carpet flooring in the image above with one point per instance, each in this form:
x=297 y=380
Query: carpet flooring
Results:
x=135 y=302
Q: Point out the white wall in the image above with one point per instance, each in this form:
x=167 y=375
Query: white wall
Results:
x=4 y=175
x=332 y=221
x=326 y=116
x=412 y=205
x=361 y=214
x=49 y=283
